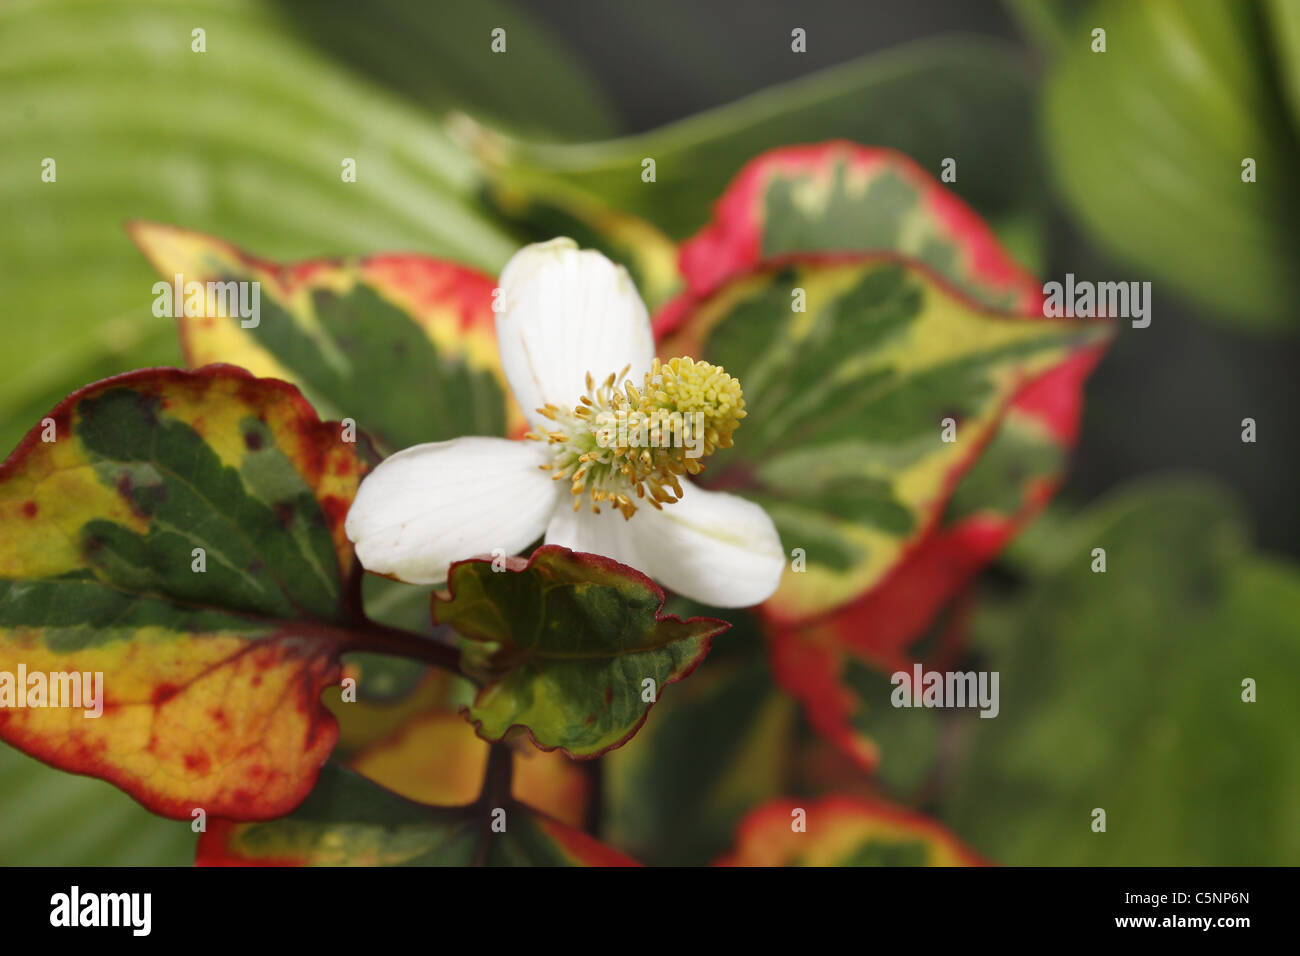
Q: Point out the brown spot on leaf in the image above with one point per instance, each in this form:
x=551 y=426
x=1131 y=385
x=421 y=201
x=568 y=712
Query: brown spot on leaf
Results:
x=199 y=763
x=164 y=692
x=30 y=509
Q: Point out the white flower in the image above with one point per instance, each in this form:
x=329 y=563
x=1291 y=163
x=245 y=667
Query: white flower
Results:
x=571 y=321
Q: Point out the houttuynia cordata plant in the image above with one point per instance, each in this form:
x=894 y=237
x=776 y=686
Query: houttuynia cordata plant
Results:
x=846 y=408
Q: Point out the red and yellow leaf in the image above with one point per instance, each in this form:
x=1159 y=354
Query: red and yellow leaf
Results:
x=422 y=327
x=847 y=402
x=180 y=533
x=839 y=197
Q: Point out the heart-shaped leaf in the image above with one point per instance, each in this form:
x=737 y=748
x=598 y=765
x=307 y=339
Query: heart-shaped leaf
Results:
x=350 y=821
x=405 y=345
x=870 y=389
x=181 y=535
x=572 y=648
x=826 y=661
x=844 y=831
x=839 y=198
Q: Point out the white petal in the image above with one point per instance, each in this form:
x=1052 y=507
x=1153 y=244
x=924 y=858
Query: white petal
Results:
x=433 y=504
x=568 y=312
x=717 y=548
x=606 y=533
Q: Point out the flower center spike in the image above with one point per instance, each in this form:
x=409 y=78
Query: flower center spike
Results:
x=622 y=444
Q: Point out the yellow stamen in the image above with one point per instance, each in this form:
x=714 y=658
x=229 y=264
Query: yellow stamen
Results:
x=619 y=441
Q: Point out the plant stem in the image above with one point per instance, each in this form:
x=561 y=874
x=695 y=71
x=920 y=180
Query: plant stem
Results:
x=494 y=795
x=382 y=639
x=595 y=771
x=498 y=776
x=352 y=597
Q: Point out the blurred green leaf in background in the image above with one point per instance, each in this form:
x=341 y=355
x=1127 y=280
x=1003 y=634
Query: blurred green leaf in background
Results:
x=52 y=818
x=969 y=98
x=1124 y=690
x=1147 y=142
x=245 y=141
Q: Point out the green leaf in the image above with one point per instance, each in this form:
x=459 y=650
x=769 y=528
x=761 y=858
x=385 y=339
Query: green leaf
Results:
x=718 y=745
x=570 y=648
x=404 y=345
x=1148 y=139
x=960 y=98
x=1123 y=691
x=1283 y=25
x=39 y=804
x=846 y=401
x=349 y=821
x=245 y=141
x=179 y=534
x=440 y=57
